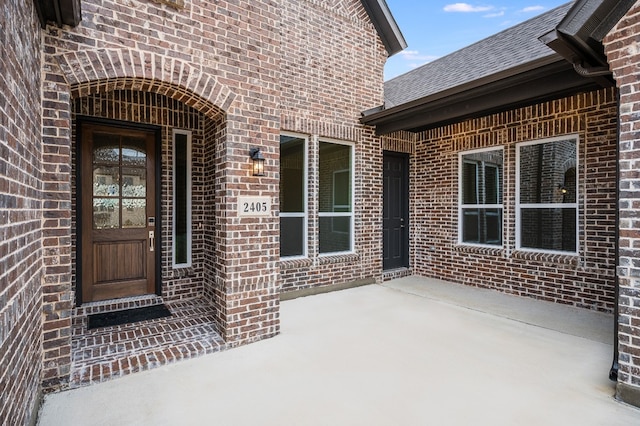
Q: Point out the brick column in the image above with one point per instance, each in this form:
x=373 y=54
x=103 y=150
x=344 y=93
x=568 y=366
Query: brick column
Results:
x=56 y=177
x=247 y=248
x=623 y=51
x=21 y=267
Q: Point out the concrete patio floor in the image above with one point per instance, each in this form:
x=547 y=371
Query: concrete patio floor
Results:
x=410 y=352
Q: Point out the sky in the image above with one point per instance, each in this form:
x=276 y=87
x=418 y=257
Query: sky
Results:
x=434 y=28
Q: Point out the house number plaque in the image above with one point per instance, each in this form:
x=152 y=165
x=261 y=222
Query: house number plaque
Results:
x=254 y=206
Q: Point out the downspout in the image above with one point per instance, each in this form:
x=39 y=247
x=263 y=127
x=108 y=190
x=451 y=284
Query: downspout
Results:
x=589 y=71
x=613 y=372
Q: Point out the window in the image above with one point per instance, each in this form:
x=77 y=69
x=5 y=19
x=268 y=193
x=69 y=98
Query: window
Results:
x=335 y=197
x=480 y=195
x=181 y=198
x=293 y=196
x=546 y=199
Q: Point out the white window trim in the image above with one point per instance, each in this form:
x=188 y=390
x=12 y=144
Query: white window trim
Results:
x=350 y=214
x=305 y=213
x=462 y=206
x=189 y=201
x=575 y=205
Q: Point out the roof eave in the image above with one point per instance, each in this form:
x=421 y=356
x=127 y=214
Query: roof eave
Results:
x=381 y=112
x=386 y=25
x=547 y=80
x=578 y=37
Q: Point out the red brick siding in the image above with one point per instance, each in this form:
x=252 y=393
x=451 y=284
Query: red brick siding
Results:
x=586 y=280
x=332 y=64
x=623 y=52
x=21 y=218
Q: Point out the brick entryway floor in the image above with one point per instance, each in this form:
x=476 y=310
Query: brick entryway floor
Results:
x=104 y=353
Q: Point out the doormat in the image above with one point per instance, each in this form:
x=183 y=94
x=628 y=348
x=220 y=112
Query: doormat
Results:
x=128 y=316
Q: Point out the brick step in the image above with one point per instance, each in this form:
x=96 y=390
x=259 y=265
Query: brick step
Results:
x=104 y=353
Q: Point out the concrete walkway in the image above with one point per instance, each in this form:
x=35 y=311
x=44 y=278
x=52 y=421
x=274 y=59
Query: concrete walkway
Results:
x=411 y=352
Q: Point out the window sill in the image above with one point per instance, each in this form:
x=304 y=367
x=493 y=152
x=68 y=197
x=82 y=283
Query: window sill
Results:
x=295 y=263
x=556 y=258
x=486 y=250
x=327 y=259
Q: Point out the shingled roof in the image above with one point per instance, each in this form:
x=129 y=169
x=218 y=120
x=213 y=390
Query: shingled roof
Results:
x=520 y=66
x=509 y=49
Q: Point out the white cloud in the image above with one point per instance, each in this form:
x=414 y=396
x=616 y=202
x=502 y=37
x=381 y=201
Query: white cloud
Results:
x=533 y=9
x=414 y=55
x=465 y=7
x=495 y=15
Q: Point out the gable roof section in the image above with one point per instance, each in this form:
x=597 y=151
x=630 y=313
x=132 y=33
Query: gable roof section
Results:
x=507 y=70
x=386 y=25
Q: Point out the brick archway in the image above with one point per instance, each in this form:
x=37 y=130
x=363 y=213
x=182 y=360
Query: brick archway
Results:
x=74 y=75
x=92 y=71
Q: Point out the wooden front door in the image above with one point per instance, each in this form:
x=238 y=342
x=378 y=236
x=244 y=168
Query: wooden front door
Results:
x=117 y=211
x=395 y=220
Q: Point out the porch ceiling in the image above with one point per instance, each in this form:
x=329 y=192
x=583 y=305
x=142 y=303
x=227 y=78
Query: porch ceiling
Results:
x=62 y=12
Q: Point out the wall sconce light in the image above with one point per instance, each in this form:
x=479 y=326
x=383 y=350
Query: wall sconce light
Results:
x=562 y=189
x=258 y=161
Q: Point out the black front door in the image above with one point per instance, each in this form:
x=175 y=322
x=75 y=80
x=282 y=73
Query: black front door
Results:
x=395 y=223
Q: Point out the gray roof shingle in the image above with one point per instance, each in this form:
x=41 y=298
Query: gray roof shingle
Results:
x=508 y=49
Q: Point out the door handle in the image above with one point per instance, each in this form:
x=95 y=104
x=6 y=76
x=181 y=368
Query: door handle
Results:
x=152 y=240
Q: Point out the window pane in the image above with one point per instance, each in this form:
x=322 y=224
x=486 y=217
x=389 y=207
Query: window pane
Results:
x=492 y=193
x=482 y=226
x=335 y=234
x=547 y=172
x=469 y=183
x=335 y=195
x=548 y=229
x=482 y=177
x=471 y=226
x=106 y=213
x=134 y=151
x=291 y=236
x=134 y=182
x=481 y=183
x=335 y=178
x=106 y=181
x=182 y=199
x=134 y=213
x=292 y=197
x=106 y=148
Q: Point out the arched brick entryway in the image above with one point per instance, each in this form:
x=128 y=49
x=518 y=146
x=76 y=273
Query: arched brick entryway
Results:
x=104 y=76
x=109 y=69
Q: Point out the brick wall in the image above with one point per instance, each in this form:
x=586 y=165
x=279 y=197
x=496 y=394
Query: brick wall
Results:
x=586 y=280
x=623 y=52
x=332 y=63
x=21 y=156
x=216 y=60
x=247 y=71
